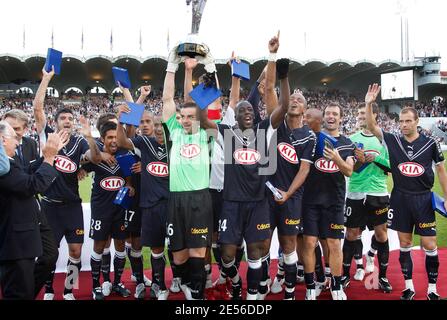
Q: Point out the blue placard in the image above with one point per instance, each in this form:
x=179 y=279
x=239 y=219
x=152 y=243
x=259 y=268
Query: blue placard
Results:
x=204 y=96
x=320 y=143
x=134 y=116
x=123 y=199
x=438 y=204
x=126 y=162
x=240 y=70
x=54 y=58
x=122 y=76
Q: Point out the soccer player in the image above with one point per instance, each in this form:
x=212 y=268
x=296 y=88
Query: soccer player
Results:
x=295 y=151
x=367 y=202
x=61 y=202
x=245 y=213
x=107 y=219
x=219 y=291
x=189 y=221
x=324 y=200
x=153 y=197
x=412 y=156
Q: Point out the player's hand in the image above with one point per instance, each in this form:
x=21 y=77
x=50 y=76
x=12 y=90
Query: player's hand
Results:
x=48 y=75
x=282 y=68
x=109 y=159
x=191 y=63
x=274 y=44
x=173 y=60
x=50 y=149
x=373 y=92
x=85 y=127
x=64 y=137
x=233 y=58
x=136 y=167
x=82 y=174
x=123 y=108
x=145 y=91
x=285 y=197
x=131 y=191
x=331 y=154
x=370 y=157
x=359 y=155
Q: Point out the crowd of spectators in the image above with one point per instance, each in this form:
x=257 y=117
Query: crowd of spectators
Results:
x=93 y=105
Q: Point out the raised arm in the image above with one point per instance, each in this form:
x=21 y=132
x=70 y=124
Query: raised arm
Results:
x=277 y=109
x=235 y=93
x=121 y=137
x=370 y=98
x=126 y=93
x=271 y=99
x=190 y=65
x=169 y=85
x=39 y=99
x=144 y=93
x=94 y=156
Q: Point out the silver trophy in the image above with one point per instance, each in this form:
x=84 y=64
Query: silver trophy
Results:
x=193 y=46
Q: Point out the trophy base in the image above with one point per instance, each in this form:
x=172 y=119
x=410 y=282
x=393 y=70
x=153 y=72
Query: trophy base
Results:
x=192 y=47
x=191 y=50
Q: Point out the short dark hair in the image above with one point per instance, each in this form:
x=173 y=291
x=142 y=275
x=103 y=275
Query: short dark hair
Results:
x=107 y=127
x=188 y=105
x=106 y=117
x=411 y=110
x=62 y=110
x=334 y=104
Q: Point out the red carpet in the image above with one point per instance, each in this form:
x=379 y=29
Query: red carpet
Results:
x=356 y=291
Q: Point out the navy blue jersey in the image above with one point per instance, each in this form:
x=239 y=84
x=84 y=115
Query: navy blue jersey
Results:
x=411 y=163
x=292 y=147
x=244 y=156
x=67 y=162
x=135 y=176
x=325 y=184
x=154 y=170
x=107 y=181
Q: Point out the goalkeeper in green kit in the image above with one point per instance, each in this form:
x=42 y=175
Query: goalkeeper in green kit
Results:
x=367 y=204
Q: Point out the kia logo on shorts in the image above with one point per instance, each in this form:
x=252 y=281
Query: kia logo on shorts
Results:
x=65 y=164
x=190 y=151
x=246 y=156
x=112 y=183
x=411 y=169
x=158 y=169
x=324 y=165
x=288 y=153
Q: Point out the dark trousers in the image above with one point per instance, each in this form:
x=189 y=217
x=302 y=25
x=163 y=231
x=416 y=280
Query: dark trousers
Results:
x=17 y=279
x=47 y=261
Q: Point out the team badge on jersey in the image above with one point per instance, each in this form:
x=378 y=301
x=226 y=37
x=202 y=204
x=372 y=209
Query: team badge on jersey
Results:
x=246 y=156
x=288 y=152
x=158 y=169
x=327 y=166
x=65 y=164
x=190 y=151
x=411 y=169
x=112 y=183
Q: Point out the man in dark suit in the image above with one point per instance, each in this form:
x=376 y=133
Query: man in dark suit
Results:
x=26 y=154
x=20 y=239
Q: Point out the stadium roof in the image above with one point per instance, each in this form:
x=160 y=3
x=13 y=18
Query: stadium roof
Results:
x=83 y=72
